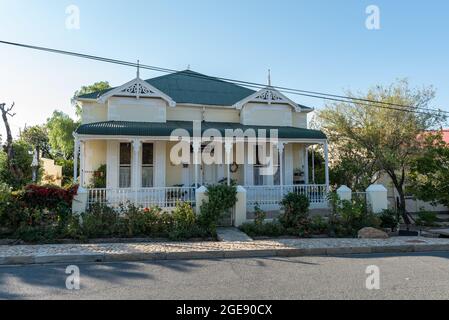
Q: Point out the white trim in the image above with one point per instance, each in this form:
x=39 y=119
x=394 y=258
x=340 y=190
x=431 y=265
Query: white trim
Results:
x=268 y=95
x=162 y=138
x=137 y=88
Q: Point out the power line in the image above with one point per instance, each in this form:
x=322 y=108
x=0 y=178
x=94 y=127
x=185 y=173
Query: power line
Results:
x=311 y=94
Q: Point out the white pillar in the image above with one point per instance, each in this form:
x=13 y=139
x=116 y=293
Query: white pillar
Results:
x=306 y=164
x=377 y=198
x=75 y=159
x=288 y=165
x=280 y=146
x=200 y=197
x=196 y=160
x=326 y=165
x=228 y=151
x=344 y=193
x=82 y=163
x=136 y=144
x=240 y=207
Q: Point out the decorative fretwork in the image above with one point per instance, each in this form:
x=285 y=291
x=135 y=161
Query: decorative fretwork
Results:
x=269 y=95
x=137 y=89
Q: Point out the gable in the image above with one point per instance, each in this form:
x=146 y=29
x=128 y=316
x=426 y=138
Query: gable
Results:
x=137 y=88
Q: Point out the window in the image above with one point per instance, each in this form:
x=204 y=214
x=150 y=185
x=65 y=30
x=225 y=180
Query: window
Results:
x=147 y=165
x=125 y=165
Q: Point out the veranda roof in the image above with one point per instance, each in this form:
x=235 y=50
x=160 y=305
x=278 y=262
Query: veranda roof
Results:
x=153 y=129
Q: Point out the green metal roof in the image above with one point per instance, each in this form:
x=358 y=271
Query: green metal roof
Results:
x=153 y=129
x=194 y=88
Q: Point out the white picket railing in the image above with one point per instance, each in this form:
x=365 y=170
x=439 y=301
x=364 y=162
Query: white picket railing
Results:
x=164 y=198
x=269 y=197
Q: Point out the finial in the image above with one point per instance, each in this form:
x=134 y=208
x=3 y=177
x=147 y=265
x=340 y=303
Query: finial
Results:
x=138 y=69
x=269 y=77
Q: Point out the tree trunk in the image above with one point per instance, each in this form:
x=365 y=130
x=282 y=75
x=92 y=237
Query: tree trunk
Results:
x=13 y=168
x=401 y=208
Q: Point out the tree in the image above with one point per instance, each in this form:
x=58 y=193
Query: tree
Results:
x=36 y=137
x=22 y=162
x=97 y=86
x=60 y=134
x=10 y=161
x=384 y=136
x=429 y=173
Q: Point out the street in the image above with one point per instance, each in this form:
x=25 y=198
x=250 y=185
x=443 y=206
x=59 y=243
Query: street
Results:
x=406 y=276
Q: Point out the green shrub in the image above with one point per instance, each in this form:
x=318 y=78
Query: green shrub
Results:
x=296 y=210
x=101 y=221
x=222 y=198
x=389 y=219
x=318 y=225
x=259 y=215
x=426 y=219
x=268 y=229
x=348 y=217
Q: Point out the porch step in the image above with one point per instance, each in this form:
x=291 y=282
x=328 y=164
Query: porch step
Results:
x=232 y=235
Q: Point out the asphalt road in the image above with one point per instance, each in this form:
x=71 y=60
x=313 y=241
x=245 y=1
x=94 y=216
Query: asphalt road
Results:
x=408 y=276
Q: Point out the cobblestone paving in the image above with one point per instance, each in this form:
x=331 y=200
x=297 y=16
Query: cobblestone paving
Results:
x=202 y=247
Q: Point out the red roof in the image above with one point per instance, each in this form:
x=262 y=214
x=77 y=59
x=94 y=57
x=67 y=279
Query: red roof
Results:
x=445 y=135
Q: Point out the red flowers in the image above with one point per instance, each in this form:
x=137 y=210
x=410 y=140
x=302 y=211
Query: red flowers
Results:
x=48 y=196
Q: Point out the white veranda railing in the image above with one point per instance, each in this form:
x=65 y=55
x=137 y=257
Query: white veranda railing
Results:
x=269 y=197
x=166 y=197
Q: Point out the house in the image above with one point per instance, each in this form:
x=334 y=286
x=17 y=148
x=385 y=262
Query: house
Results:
x=157 y=137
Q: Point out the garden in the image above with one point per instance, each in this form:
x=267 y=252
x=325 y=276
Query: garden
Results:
x=43 y=214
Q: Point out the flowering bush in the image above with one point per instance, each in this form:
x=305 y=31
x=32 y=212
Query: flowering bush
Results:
x=49 y=197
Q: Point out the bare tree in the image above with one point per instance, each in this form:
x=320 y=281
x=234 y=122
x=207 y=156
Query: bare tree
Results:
x=9 y=148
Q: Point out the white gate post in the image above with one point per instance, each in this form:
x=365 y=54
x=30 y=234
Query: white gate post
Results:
x=200 y=197
x=377 y=198
x=240 y=207
x=344 y=193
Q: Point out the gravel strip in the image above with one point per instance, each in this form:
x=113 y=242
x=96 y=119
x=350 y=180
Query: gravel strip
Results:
x=25 y=254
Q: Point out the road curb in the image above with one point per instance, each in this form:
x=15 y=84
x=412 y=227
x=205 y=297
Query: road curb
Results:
x=217 y=254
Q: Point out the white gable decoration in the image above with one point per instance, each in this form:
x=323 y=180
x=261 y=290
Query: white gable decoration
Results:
x=268 y=95
x=139 y=89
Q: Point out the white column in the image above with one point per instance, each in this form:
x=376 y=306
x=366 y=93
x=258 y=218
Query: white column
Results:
x=306 y=164
x=82 y=163
x=135 y=169
x=280 y=146
x=288 y=161
x=196 y=160
x=326 y=165
x=249 y=167
x=228 y=149
x=75 y=159
x=160 y=164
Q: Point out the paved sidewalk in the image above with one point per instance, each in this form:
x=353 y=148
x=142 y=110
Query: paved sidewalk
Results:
x=232 y=234
x=64 y=253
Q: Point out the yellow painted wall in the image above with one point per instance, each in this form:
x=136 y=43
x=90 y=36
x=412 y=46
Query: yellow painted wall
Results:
x=264 y=114
x=52 y=173
x=300 y=119
x=132 y=109
x=174 y=172
x=212 y=114
x=94 y=112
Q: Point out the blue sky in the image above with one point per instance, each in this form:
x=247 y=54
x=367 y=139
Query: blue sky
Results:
x=311 y=45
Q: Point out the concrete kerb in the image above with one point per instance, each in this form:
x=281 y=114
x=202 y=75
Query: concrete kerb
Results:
x=219 y=254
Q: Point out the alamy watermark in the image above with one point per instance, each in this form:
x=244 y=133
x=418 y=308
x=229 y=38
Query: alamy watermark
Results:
x=72 y=21
x=373 y=280
x=72 y=282
x=372 y=22
x=240 y=147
